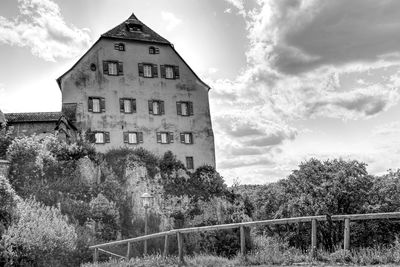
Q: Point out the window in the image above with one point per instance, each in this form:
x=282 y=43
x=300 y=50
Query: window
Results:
x=154 y=50
x=184 y=108
x=169 y=71
x=133 y=137
x=165 y=137
x=148 y=70
x=113 y=68
x=119 y=46
x=101 y=137
x=187 y=138
x=189 y=163
x=134 y=27
x=96 y=104
x=127 y=105
x=156 y=107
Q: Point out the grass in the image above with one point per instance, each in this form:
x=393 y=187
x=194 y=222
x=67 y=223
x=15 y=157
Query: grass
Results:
x=271 y=251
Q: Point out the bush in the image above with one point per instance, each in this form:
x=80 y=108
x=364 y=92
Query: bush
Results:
x=40 y=235
x=5 y=141
x=8 y=203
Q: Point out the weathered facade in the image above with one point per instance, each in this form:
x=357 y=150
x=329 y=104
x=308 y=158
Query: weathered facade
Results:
x=132 y=88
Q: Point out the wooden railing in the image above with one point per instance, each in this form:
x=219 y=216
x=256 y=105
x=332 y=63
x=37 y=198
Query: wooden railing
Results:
x=179 y=232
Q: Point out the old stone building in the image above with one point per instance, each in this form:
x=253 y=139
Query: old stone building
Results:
x=132 y=88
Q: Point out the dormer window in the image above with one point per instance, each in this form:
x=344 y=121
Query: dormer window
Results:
x=133 y=27
x=154 y=50
x=119 y=46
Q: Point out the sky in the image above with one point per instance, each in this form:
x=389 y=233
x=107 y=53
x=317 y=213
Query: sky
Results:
x=291 y=79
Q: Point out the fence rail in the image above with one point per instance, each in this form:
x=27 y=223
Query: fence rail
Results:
x=347 y=218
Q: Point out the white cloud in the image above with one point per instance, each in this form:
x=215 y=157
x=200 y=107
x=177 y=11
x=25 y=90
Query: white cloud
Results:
x=41 y=27
x=212 y=70
x=298 y=52
x=228 y=10
x=171 y=20
x=239 y=5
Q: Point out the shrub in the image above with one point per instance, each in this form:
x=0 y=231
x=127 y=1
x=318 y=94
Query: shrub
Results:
x=8 y=203
x=5 y=141
x=40 y=235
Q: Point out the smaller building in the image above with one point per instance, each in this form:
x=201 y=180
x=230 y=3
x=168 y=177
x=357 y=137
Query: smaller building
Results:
x=40 y=123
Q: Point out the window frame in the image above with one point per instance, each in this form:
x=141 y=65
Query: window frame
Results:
x=171 y=68
x=161 y=106
x=154 y=50
x=119 y=65
x=119 y=46
x=189 y=109
x=153 y=68
x=183 y=138
x=106 y=137
x=139 y=137
x=168 y=135
x=102 y=104
x=122 y=105
x=175 y=69
x=190 y=163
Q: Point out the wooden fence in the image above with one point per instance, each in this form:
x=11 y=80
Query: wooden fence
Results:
x=179 y=232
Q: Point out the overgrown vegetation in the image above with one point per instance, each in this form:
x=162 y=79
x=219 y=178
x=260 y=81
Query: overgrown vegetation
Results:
x=90 y=189
x=60 y=198
x=273 y=251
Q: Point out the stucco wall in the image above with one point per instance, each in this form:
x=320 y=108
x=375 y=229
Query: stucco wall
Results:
x=81 y=82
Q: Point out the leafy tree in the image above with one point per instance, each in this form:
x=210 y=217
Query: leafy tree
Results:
x=40 y=235
x=105 y=214
x=317 y=188
x=206 y=183
x=173 y=174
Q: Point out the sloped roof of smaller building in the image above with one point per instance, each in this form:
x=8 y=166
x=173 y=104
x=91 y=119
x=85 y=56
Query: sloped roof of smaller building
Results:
x=33 y=117
x=126 y=30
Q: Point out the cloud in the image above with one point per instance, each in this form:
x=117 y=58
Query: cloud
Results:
x=304 y=35
x=299 y=52
x=239 y=5
x=41 y=27
x=171 y=20
x=212 y=70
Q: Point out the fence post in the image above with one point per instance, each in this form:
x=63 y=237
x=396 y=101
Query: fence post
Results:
x=314 y=238
x=96 y=255
x=180 y=247
x=346 y=234
x=165 y=246
x=128 y=251
x=242 y=241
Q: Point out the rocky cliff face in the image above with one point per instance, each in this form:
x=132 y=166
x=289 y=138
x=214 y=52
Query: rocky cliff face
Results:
x=4 y=165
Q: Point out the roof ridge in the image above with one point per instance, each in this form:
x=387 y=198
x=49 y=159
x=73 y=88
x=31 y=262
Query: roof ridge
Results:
x=134 y=29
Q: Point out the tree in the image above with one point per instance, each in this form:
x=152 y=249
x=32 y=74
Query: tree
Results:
x=318 y=188
x=206 y=183
x=105 y=214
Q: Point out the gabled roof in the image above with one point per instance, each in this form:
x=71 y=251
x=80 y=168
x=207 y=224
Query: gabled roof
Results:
x=144 y=35
x=134 y=29
x=33 y=117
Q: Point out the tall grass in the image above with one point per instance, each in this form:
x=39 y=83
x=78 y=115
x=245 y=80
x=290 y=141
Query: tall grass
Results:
x=273 y=251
